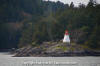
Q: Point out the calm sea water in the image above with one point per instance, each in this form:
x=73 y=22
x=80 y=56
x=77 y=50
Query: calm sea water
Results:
x=6 y=59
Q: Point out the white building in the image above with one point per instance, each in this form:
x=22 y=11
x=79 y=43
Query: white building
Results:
x=66 y=37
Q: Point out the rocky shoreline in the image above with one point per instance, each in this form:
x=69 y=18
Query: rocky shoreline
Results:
x=54 y=49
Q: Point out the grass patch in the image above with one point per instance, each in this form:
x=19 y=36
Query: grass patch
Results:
x=64 y=48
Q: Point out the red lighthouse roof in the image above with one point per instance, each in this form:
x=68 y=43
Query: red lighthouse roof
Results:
x=66 y=32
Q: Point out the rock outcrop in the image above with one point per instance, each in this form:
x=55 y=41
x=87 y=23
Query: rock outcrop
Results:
x=54 y=49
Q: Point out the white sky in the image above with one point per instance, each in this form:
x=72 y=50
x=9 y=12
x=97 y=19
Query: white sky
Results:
x=76 y=2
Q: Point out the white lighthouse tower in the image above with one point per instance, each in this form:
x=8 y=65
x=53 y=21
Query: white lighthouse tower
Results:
x=66 y=37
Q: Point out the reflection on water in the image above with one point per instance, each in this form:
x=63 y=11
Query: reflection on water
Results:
x=6 y=59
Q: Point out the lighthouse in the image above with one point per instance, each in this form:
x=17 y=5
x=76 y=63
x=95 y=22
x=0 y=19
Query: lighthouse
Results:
x=66 y=37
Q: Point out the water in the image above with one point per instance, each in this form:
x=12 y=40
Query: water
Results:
x=6 y=59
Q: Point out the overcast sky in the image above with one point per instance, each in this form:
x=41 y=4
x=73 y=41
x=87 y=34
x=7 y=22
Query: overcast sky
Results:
x=76 y=2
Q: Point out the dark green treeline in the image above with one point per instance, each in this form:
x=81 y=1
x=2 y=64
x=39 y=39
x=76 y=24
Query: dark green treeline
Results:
x=31 y=22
